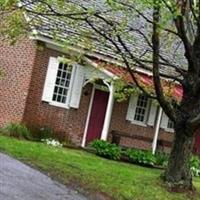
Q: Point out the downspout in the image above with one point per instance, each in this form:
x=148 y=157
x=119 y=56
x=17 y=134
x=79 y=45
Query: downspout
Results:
x=155 y=139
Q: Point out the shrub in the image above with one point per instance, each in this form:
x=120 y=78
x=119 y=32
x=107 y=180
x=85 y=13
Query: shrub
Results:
x=42 y=133
x=162 y=159
x=106 y=149
x=17 y=130
x=195 y=166
x=141 y=157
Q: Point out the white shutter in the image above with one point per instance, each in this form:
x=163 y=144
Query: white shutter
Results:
x=131 y=108
x=50 y=79
x=77 y=87
x=164 y=121
x=152 y=114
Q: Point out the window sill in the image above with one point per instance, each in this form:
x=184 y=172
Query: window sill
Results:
x=60 y=105
x=170 y=130
x=139 y=123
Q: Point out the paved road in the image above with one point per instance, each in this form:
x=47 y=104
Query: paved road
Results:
x=20 y=182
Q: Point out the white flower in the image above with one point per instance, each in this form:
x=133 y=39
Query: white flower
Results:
x=52 y=142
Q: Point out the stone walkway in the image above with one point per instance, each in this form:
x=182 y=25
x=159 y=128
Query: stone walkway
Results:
x=20 y=182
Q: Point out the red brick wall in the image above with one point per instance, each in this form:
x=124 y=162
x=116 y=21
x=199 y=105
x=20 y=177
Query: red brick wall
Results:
x=68 y=122
x=16 y=63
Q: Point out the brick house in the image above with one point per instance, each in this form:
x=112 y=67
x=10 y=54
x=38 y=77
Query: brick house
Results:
x=76 y=99
x=40 y=90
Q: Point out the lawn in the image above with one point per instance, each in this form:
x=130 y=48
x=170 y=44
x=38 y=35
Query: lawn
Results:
x=118 y=180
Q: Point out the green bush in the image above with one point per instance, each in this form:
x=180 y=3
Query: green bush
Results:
x=141 y=157
x=195 y=166
x=106 y=149
x=161 y=159
x=42 y=133
x=17 y=130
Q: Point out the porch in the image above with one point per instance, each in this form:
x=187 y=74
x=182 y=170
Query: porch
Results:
x=106 y=120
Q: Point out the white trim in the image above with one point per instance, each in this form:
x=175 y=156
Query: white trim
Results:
x=60 y=105
x=170 y=130
x=139 y=123
x=88 y=117
x=155 y=139
x=108 y=73
x=109 y=109
x=69 y=95
x=101 y=87
x=50 y=79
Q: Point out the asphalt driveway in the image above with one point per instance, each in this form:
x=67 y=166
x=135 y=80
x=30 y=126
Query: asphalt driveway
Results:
x=20 y=182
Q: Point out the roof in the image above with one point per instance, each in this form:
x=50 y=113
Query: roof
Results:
x=63 y=29
x=171 y=89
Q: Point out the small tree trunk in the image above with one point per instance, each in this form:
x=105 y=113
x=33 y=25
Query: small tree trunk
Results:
x=177 y=174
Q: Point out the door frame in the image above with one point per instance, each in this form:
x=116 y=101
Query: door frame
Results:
x=94 y=88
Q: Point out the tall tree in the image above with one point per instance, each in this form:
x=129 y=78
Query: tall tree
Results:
x=160 y=35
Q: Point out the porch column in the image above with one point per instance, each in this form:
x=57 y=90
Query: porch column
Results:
x=108 y=115
x=88 y=117
x=155 y=139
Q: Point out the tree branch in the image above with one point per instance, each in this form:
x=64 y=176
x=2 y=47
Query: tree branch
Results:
x=156 y=77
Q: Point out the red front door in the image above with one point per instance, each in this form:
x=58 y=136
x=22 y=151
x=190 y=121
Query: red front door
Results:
x=97 y=115
x=197 y=143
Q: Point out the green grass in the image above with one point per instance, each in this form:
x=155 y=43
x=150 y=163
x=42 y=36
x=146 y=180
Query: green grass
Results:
x=118 y=180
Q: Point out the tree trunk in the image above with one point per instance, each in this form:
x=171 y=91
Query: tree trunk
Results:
x=177 y=174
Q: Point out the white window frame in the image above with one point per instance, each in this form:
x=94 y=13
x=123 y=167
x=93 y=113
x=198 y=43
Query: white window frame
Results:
x=171 y=130
x=65 y=105
x=165 y=122
x=144 y=122
x=133 y=101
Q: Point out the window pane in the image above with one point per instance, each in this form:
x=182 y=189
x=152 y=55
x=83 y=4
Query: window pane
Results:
x=68 y=76
x=58 y=98
x=170 y=124
x=64 y=100
x=65 y=92
x=62 y=83
x=57 y=81
x=60 y=66
x=59 y=73
x=140 y=111
x=64 y=74
x=56 y=89
x=67 y=83
x=54 y=97
x=65 y=67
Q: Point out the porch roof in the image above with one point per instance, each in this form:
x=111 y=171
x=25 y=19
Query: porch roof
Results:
x=171 y=89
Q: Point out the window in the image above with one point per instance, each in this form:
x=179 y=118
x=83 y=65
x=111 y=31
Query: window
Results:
x=141 y=108
x=166 y=123
x=170 y=124
x=62 y=83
